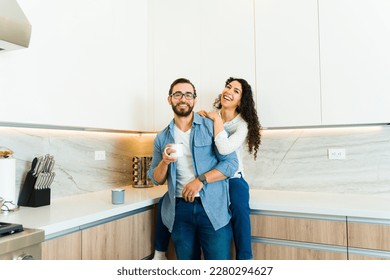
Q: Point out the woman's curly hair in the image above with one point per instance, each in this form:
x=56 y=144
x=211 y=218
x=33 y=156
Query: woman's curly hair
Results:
x=248 y=113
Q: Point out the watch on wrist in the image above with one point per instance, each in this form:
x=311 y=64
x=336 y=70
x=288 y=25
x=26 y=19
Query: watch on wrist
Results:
x=202 y=178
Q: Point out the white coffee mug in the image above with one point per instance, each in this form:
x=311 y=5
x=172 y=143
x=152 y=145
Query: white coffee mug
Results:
x=178 y=150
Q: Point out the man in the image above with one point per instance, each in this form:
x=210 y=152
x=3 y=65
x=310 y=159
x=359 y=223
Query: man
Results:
x=196 y=207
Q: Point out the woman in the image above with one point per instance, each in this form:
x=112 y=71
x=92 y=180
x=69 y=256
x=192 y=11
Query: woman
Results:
x=236 y=125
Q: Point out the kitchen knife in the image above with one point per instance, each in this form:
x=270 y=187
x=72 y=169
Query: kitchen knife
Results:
x=46 y=161
x=38 y=181
x=51 y=165
x=45 y=182
x=38 y=166
x=52 y=175
x=34 y=165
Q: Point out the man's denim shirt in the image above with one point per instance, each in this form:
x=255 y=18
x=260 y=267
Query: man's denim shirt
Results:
x=214 y=196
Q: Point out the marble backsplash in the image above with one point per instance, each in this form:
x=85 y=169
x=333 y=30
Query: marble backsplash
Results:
x=76 y=169
x=297 y=159
x=289 y=159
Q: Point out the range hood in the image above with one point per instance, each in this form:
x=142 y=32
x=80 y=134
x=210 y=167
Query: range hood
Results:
x=15 y=29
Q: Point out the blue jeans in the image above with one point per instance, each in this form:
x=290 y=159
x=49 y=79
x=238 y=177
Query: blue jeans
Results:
x=163 y=235
x=193 y=232
x=239 y=198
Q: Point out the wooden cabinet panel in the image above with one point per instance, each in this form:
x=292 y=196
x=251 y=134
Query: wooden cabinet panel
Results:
x=300 y=229
x=370 y=236
x=67 y=247
x=129 y=238
x=364 y=257
x=281 y=252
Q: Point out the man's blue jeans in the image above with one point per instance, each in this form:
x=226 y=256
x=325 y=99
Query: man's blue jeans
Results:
x=193 y=233
x=163 y=235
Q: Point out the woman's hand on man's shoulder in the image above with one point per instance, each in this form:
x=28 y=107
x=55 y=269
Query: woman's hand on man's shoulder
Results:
x=203 y=113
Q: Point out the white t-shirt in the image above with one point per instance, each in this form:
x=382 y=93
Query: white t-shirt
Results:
x=184 y=164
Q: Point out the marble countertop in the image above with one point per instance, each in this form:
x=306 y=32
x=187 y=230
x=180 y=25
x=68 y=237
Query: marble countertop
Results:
x=339 y=204
x=70 y=213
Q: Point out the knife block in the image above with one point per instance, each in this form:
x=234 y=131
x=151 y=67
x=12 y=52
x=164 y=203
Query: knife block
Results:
x=31 y=197
x=39 y=198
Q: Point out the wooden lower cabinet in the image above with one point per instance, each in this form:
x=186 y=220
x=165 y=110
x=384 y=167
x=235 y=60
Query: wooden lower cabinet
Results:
x=129 y=238
x=370 y=236
x=67 y=247
x=286 y=236
x=363 y=257
x=275 y=236
x=263 y=251
x=310 y=229
x=368 y=239
x=126 y=238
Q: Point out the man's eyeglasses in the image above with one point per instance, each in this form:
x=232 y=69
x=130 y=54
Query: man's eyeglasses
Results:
x=179 y=95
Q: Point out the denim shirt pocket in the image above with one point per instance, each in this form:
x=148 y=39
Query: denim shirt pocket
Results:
x=204 y=154
x=203 y=142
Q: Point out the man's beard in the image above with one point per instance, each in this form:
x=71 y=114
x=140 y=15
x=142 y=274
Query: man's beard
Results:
x=181 y=112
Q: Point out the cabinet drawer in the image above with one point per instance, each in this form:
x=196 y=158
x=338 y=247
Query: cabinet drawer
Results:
x=67 y=247
x=129 y=238
x=370 y=236
x=356 y=257
x=300 y=229
x=280 y=252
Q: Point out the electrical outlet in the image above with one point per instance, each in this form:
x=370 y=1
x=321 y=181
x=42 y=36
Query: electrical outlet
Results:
x=336 y=154
x=100 y=155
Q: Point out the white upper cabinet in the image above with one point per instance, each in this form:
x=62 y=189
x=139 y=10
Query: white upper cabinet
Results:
x=287 y=63
x=109 y=64
x=355 y=61
x=86 y=66
x=204 y=41
x=227 y=46
x=323 y=62
x=174 y=51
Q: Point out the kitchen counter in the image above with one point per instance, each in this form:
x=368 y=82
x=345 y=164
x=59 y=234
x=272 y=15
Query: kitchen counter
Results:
x=70 y=213
x=338 y=204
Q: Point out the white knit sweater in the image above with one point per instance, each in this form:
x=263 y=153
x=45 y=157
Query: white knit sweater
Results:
x=233 y=139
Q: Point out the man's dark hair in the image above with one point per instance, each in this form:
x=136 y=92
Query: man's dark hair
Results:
x=181 y=81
